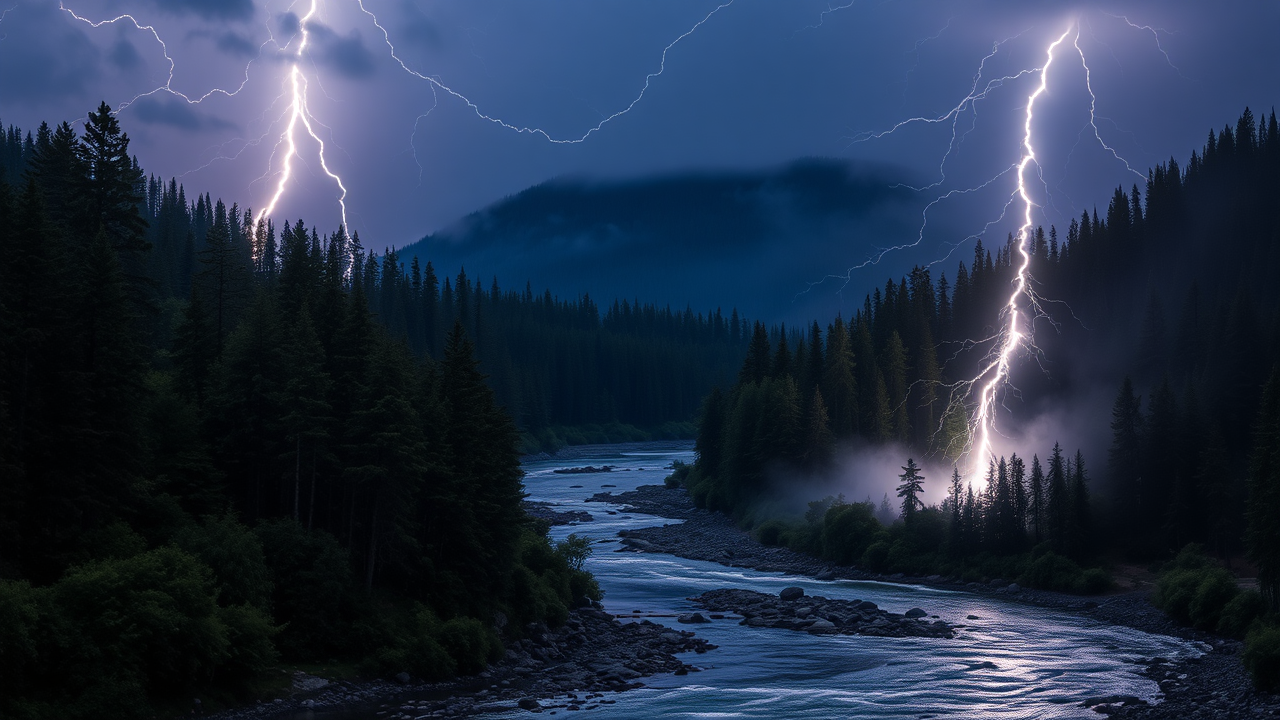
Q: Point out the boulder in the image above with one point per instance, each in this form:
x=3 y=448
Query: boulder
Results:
x=866 y=605
x=791 y=593
x=692 y=618
x=403 y=678
x=529 y=704
x=822 y=627
x=915 y=613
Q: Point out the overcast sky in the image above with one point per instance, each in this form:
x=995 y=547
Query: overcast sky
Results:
x=757 y=83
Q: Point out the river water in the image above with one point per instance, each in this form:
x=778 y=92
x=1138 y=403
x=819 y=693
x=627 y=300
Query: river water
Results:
x=1013 y=662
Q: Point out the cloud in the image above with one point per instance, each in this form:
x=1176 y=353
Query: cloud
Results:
x=56 y=58
x=346 y=55
x=236 y=45
x=289 y=23
x=237 y=10
x=124 y=55
x=175 y=113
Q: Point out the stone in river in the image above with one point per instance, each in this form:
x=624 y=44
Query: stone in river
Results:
x=692 y=618
x=791 y=593
x=822 y=626
x=867 y=605
x=915 y=613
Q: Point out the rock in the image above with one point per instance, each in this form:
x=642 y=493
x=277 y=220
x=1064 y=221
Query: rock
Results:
x=804 y=612
x=529 y=704
x=972 y=617
x=403 y=678
x=915 y=613
x=822 y=627
x=825 y=575
x=791 y=593
x=866 y=605
x=692 y=618
x=1014 y=588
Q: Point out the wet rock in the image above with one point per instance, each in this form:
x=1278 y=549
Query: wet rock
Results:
x=824 y=616
x=529 y=704
x=692 y=618
x=791 y=593
x=915 y=613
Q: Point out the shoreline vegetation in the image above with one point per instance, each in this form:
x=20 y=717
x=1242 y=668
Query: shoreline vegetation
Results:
x=1216 y=683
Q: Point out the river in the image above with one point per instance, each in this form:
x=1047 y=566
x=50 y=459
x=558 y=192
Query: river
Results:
x=1015 y=661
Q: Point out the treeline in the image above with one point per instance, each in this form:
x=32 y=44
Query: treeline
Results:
x=1203 y=239
x=567 y=370
x=265 y=472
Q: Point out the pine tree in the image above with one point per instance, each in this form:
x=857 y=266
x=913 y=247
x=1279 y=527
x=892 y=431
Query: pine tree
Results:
x=910 y=490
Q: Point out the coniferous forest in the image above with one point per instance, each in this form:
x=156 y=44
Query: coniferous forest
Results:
x=1167 y=299
x=227 y=443
x=222 y=447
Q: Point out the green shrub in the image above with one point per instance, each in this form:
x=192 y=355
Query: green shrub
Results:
x=312 y=592
x=471 y=644
x=1052 y=571
x=847 y=531
x=1093 y=582
x=876 y=557
x=1239 y=614
x=770 y=533
x=1262 y=655
x=234 y=553
x=1217 y=588
x=679 y=474
x=250 y=650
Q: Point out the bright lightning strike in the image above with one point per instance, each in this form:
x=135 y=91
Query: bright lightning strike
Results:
x=298 y=112
x=1012 y=338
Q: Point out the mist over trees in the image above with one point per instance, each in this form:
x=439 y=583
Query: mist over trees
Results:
x=1166 y=297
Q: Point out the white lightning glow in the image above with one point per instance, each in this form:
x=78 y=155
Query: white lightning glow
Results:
x=1012 y=338
x=299 y=113
x=167 y=87
x=437 y=84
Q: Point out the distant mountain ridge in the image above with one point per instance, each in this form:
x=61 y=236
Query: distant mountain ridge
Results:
x=751 y=238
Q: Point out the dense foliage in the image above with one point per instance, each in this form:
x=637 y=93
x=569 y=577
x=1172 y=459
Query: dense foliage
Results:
x=1197 y=461
x=194 y=488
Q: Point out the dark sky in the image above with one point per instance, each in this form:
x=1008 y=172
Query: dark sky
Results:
x=759 y=83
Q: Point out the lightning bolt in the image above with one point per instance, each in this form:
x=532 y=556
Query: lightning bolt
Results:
x=437 y=84
x=1011 y=339
x=296 y=90
x=1155 y=33
x=167 y=87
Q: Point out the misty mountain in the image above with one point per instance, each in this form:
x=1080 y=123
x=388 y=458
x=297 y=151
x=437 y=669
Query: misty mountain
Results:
x=746 y=239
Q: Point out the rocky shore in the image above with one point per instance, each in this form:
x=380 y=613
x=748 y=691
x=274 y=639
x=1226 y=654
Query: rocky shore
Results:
x=793 y=610
x=576 y=666
x=1213 y=686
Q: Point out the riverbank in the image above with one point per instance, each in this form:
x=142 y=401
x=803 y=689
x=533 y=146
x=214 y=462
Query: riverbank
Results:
x=1214 y=685
x=576 y=666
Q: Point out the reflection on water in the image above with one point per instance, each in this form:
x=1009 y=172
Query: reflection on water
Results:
x=1012 y=662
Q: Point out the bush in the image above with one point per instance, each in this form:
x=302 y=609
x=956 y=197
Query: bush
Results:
x=876 y=556
x=1093 y=581
x=1052 y=571
x=1217 y=588
x=250 y=649
x=234 y=553
x=1239 y=614
x=1262 y=655
x=409 y=641
x=471 y=644
x=847 y=531
x=770 y=533
x=312 y=592
x=679 y=474
x=1194 y=590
